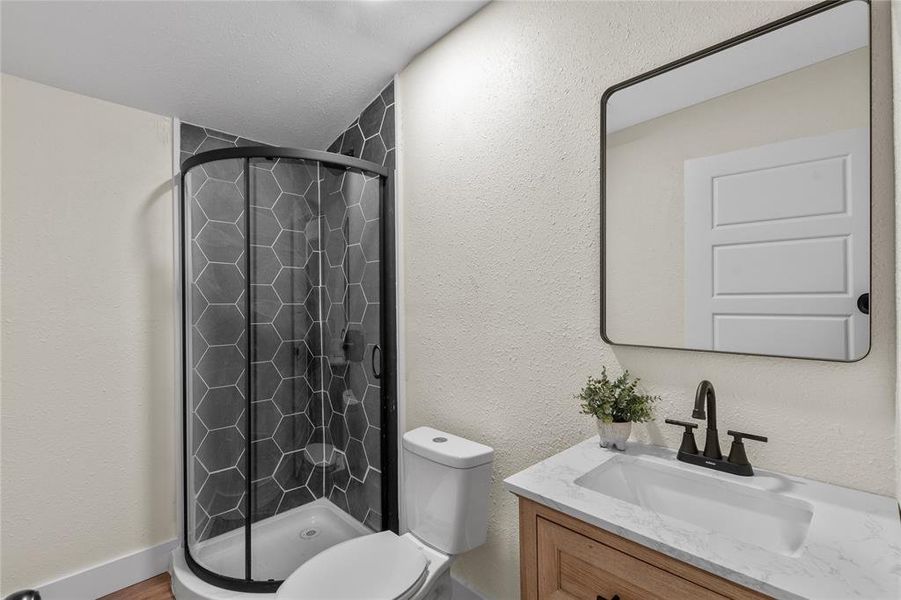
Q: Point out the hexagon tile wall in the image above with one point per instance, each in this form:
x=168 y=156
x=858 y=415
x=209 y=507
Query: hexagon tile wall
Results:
x=352 y=285
x=315 y=281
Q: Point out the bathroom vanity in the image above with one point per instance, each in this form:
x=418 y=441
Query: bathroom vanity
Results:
x=600 y=524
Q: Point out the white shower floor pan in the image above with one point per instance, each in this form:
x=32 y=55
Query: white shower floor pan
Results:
x=279 y=545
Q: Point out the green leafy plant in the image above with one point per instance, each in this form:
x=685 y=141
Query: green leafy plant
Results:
x=617 y=400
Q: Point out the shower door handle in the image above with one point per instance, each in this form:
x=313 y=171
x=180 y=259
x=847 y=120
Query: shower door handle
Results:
x=376 y=364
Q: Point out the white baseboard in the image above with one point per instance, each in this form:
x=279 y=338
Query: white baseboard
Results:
x=106 y=578
x=461 y=592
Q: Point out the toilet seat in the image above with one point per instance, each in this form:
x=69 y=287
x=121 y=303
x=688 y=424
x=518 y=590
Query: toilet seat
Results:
x=380 y=566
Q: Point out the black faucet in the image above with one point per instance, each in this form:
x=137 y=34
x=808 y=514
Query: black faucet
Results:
x=712 y=457
x=712 y=443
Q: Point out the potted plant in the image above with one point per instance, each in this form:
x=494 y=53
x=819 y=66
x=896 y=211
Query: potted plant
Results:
x=616 y=404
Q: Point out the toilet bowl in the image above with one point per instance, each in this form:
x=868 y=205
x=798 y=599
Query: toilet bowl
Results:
x=445 y=487
x=386 y=566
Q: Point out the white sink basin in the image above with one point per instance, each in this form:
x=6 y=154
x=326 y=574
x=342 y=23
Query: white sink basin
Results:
x=766 y=519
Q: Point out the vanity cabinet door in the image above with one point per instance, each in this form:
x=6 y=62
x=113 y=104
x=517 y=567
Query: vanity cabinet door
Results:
x=572 y=566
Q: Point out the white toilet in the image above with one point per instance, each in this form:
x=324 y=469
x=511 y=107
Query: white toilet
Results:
x=445 y=491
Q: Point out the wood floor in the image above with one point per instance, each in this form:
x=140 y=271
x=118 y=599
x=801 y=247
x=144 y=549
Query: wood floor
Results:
x=155 y=588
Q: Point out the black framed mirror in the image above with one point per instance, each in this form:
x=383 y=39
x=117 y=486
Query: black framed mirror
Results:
x=735 y=194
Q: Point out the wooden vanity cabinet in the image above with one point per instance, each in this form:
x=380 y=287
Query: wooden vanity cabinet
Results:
x=562 y=558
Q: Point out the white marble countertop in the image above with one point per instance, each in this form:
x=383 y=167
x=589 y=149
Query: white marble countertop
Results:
x=852 y=549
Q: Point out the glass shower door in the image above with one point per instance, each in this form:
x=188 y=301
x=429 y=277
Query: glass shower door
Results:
x=352 y=341
x=216 y=381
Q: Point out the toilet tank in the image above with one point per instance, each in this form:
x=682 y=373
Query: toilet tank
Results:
x=445 y=489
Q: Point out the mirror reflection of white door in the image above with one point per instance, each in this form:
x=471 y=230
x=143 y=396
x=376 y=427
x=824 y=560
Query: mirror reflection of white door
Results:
x=777 y=248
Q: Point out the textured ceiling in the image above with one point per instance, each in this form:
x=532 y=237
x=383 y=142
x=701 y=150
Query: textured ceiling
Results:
x=291 y=73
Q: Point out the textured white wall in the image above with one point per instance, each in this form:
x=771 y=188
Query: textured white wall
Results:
x=87 y=332
x=500 y=185
x=896 y=60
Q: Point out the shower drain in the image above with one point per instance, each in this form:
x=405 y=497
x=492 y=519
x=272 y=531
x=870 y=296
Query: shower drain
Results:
x=307 y=534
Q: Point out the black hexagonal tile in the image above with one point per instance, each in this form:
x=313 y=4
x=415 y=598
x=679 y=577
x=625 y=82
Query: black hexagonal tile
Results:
x=292 y=322
x=387 y=131
x=266 y=497
x=198 y=261
x=294 y=177
x=221 y=449
x=356 y=459
x=356 y=500
x=372 y=442
x=294 y=470
x=198 y=432
x=356 y=264
x=356 y=303
x=371 y=118
x=221 y=324
x=352 y=144
x=265 y=419
x=266 y=304
x=371 y=281
x=221 y=407
x=292 y=212
x=293 y=395
x=388 y=94
x=355 y=418
x=221 y=283
x=369 y=201
x=221 y=366
x=339 y=499
x=191 y=137
x=293 y=285
x=265 y=342
x=220 y=242
x=198 y=219
x=220 y=200
x=337 y=473
x=293 y=432
x=221 y=524
x=335 y=246
x=314 y=339
x=198 y=346
x=373 y=520
x=265 y=380
x=371 y=324
x=372 y=404
x=338 y=433
x=229 y=169
x=334 y=211
x=370 y=240
x=266 y=455
x=291 y=248
x=355 y=223
x=263 y=189
x=295 y=498
x=265 y=265
x=291 y=359
x=374 y=150
x=265 y=227
x=199 y=474
x=313 y=230
x=198 y=303
x=372 y=487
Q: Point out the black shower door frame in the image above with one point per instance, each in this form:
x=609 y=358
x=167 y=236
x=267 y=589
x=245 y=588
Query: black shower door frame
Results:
x=388 y=346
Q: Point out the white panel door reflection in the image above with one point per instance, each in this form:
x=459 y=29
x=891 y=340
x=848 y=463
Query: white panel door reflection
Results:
x=777 y=248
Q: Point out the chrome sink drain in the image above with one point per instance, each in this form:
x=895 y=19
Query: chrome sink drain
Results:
x=307 y=534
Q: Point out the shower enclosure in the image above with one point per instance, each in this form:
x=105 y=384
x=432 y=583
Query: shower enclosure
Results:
x=288 y=337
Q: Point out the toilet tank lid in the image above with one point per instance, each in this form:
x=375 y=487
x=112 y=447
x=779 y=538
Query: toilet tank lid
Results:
x=446 y=448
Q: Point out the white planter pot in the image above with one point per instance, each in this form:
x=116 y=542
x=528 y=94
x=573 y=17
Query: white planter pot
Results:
x=614 y=435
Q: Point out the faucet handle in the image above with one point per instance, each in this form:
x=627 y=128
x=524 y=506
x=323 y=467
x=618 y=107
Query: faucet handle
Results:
x=737 y=455
x=688 y=445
